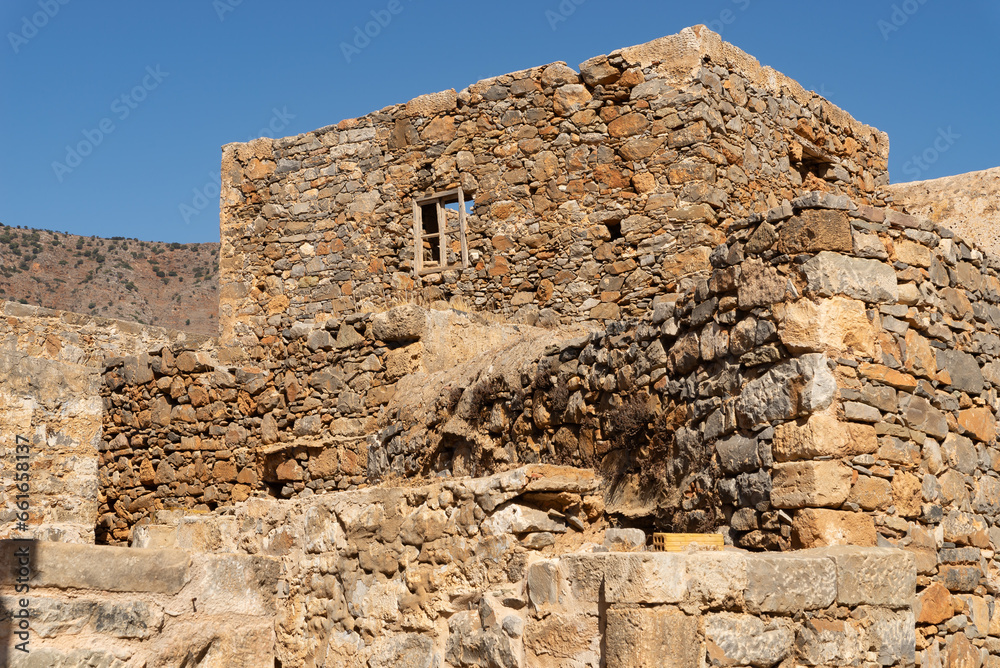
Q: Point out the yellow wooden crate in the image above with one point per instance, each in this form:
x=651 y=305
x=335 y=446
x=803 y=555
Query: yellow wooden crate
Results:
x=675 y=542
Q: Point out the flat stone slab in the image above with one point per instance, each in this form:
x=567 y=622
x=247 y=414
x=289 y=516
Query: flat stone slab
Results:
x=791 y=583
x=879 y=576
x=100 y=567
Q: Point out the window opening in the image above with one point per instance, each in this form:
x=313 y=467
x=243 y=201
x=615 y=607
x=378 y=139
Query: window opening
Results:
x=439 y=232
x=430 y=247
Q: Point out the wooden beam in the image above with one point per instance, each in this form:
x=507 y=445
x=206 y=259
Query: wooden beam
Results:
x=443 y=232
x=461 y=228
x=418 y=245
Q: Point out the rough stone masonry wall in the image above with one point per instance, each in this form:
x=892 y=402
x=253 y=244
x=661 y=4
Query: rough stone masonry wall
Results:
x=833 y=380
x=182 y=430
x=50 y=394
x=510 y=571
x=594 y=191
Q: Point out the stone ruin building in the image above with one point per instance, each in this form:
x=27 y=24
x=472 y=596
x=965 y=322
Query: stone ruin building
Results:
x=477 y=348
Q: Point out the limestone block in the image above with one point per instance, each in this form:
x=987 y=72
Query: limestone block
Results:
x=348 y=337
x=208 y=534
x=913 y=253
x=235 y=584
x=48 y=657
x=717 y=579
x=907 y=494
x=406 y=650
x=54 y=617
x=790 y=583
x=818 y=527
x=154 y=536
x=628 y=125
x=797 y=387
x=810 y=484
x=820 y=435
x=652 y=638
x=871 y=281
x=744 y=640
x=872 y=575
x=585 y=574
x=892 y=634
x=402 y=323
x=963 y=369
x=598 y=71
x=960 y=578
x=919 y=414
x=519 y=519
x=920 y=359
x=816 y=230
x=960 y=453
x=432 y=103
x=824 y=642
x=233 y=641
x=934 y=605
x=625 y=540
x=987 y=498
x=838 y=324
x=571 y=639
x=965 y=528
x=979 y=423
x=570 y=98
x=544 y=580
x=738 y=454
x=869 y=246
x=320 y=339
x=648 y=578
x=560 y=74
x=68 y=566
x=760 y=284
x=871 y=493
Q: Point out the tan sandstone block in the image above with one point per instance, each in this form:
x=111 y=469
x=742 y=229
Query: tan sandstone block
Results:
x=432 y=103
x=821 y=435
x=906 y=494
x=810 y=484
x=871 y=493
x=652 y=638
x=920 y=358
x=817 y=527
x=913 y=253
x=979 y=422
x=934 y=605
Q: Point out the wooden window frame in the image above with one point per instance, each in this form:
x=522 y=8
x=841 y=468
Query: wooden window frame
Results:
x=440 y=200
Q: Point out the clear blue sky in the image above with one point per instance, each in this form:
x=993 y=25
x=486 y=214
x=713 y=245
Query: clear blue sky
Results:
x=158 y=87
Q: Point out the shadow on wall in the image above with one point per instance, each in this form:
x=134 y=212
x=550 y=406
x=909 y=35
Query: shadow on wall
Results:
x=17 y=566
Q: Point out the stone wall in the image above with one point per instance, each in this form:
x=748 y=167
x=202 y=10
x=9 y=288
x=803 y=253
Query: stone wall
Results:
x=183 y=430
x=50 y=396
x=514 y=570
x=831 y=379
x=593 y=191
x=102 y=606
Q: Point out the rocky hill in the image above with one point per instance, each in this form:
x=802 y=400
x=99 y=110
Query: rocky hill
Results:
x=964 y=203
x=171 y=285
